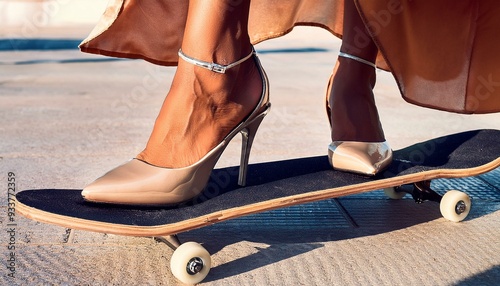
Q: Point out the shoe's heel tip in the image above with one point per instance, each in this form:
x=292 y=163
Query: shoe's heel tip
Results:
x=242 y=180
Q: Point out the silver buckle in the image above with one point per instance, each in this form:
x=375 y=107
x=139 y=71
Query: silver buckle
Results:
x=217 y=68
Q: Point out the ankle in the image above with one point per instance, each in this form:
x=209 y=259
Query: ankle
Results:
x=355 y=74
x=201 y=109
x=354 y=115
x=222 y=52
x=237 y=82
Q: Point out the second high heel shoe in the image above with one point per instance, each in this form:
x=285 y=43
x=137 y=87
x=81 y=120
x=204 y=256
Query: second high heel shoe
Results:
x=367 y=158
x=139 y=183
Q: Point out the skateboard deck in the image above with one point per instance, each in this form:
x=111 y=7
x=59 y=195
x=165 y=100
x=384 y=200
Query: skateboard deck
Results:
x=270 y=186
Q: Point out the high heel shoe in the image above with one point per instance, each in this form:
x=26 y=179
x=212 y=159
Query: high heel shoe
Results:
x=139 y=183
x=367 y=158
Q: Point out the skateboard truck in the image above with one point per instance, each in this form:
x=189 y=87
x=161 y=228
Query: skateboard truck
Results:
x=420 y=191
x=171 y=241
x=454 y=205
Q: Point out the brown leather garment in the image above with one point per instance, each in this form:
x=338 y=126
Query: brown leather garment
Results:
x=443 y=54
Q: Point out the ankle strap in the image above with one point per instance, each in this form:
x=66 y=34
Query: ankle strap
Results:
x=213 y=66
x=341 y=54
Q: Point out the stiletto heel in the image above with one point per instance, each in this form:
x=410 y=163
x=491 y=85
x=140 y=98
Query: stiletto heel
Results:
x=367 y=158
x=248 y=134
x=139 y=183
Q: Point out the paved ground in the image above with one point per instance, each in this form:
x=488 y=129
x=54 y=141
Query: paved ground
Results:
x=68 y=117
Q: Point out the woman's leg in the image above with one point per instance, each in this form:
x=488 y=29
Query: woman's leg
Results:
x=202 y=107
x=200 y=110
x=358 y=143
x=354 y=115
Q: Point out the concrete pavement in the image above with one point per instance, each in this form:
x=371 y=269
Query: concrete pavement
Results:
x=67 y=117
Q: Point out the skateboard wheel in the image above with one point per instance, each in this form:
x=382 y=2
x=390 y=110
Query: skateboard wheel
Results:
x=392 y=194
x=190 y=263
x=455 y=206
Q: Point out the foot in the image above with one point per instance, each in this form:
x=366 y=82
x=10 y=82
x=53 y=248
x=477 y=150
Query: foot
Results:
x=141 y=182
x=201 y=108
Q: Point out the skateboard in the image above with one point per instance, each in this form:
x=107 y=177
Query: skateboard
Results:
x=270 y=186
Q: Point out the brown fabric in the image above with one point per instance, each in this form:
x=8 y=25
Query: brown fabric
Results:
x=444 y=54
x=150 y=30
x=153 y=29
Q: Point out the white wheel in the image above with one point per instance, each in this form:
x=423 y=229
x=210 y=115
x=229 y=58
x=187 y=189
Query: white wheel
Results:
x=190 y=263
x=455 y=206
x=392 y=194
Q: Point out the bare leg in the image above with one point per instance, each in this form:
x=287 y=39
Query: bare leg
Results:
x=358 y=143
x=202 y=107
x=354 y=115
